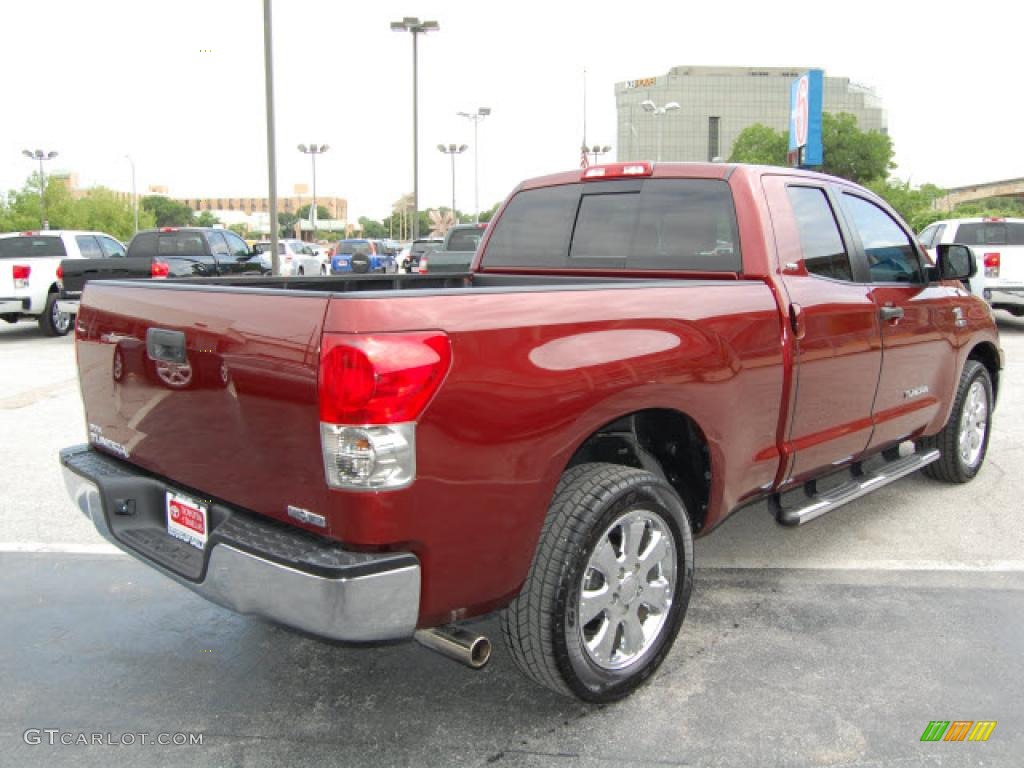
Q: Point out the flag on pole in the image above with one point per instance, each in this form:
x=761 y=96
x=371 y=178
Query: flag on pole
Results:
x=584 y=157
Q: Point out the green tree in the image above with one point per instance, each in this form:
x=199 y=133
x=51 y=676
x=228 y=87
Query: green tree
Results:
x=860 y=156
x=104 y=211
x=322 y=214
x=760 y=145
x=206 y=219
x=372 y=228
x=286 y=224
x=848 y=152
x=914 y=205
x=240 y=229
x=489 y=214
x=167 y=212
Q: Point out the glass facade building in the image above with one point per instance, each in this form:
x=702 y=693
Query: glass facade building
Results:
x=716 y=104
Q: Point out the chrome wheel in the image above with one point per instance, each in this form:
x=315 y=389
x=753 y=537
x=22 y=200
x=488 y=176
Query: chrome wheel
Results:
x=174 y=375
x=626 y=590
x=973 y=424
x=61 y=320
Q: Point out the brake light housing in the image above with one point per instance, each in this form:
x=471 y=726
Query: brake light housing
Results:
x=423 y=264
x=618 y=171
x=992 y=263
x=21 y=274
x=371 y=390
x=159 y=269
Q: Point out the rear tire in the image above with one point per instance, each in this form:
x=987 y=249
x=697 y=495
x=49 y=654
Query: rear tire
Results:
x=54 y=322
x=963 y=442
x=608 y=587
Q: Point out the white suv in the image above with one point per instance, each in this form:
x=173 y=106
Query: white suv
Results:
x=998 y=245
x=28 y=272
x=297 y=258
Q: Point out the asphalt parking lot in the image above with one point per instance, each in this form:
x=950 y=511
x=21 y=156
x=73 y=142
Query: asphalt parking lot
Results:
x=830 y=645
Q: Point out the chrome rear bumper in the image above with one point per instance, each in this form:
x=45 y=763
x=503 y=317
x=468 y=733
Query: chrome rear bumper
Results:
x=347 y=596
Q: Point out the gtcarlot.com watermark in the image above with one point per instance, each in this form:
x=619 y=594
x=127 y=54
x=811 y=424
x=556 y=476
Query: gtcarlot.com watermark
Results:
x=56 y=737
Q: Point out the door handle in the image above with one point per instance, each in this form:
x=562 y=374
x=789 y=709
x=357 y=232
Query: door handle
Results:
x=797 y=321
x=890 y=312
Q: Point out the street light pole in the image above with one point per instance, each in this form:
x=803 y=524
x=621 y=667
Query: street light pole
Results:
x=313 y=150
x=268 y=78
x=135 y=197
x=41 y=156
x=476 y=117
x=453 y=150
x=659 y=113
x=416 y=27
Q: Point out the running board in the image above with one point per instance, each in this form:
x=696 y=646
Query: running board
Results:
x=861 y=482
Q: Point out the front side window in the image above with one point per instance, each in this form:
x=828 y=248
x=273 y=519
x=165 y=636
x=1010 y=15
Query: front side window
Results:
x=217 y=245
x=892 y=255
x=236 y=245
x=820 y=240
x=111 y=248
x=89 y=247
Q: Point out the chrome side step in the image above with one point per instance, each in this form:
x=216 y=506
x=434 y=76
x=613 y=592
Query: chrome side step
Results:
x=861 y=482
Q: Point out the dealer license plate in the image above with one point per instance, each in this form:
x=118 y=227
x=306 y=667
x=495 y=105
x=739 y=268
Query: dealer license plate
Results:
x=187 y=519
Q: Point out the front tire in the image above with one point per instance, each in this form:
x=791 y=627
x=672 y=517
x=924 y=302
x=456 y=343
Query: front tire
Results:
x=53 y=322
x=963 y=442
x=608 y=587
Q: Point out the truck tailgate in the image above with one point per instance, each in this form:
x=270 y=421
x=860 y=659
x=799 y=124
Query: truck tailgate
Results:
x=77 y=271
x=231 y=421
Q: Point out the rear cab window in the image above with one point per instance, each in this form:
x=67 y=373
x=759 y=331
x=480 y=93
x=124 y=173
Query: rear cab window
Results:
x=990 y=233
x=31 y=246
x=651 y=224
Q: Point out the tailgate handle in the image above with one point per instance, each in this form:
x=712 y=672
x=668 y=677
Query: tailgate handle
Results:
x=165 y=345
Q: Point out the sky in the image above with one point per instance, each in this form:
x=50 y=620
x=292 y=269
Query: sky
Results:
x=179 y=86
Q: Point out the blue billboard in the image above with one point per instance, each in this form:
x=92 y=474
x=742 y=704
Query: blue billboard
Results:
x=805 y=119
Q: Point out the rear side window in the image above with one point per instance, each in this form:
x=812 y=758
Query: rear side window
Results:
x=658 y=224
x=820 y=241
x=990 y=233
x=31 y=247
x=88 y=246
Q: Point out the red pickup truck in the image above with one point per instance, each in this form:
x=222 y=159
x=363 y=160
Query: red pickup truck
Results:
x=637 y=351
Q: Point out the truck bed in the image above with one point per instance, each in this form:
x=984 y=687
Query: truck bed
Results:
x=539 y=363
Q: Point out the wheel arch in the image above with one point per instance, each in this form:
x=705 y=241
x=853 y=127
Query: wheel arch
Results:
x=664 y=441
x=986 y=353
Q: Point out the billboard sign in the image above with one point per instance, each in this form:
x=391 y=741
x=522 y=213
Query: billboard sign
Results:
x=805 y=106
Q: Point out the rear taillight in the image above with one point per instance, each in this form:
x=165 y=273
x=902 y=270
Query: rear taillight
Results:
x=992 y=262
x=423 y=264
x=60 y=271
x=371 y=391
x=21 y=273
x=159 y=269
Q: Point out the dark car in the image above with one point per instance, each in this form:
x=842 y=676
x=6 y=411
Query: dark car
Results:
x=198 y=251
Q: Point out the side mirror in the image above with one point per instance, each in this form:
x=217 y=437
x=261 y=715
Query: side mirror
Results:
x=954 y=262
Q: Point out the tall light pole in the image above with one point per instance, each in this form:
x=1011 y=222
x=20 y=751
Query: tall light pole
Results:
x=40 y=156
x=476 y=117
x=597 y=150
x=416 y=27
x=313 y=150
x=659 y=113
x=135 y=198
x=453 y=150
x=268 y=82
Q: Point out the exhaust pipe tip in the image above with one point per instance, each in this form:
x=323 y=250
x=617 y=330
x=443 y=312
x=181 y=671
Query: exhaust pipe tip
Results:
x=465 y=647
